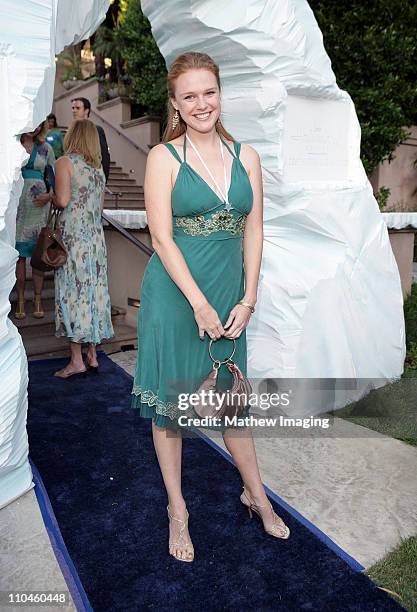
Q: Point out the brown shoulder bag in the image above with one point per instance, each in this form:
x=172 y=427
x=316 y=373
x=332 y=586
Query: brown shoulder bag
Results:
x=50 y=252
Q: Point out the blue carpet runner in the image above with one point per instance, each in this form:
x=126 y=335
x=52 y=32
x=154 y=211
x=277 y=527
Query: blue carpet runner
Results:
x=97 y=463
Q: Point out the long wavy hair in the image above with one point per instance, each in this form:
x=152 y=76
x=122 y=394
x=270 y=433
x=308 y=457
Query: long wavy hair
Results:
x=82 y=138
x=190 y=60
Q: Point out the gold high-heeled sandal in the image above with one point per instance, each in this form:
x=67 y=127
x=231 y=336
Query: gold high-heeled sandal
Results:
x=20 y=310
x=279 y=528
x=38 y=312
x=181 y=541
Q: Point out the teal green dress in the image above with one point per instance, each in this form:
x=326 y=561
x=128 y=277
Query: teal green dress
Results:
x=55 y=139
x=171 y=357
x=30 y=219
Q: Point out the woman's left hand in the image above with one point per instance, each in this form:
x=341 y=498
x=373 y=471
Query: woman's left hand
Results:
x=238 y=320
x=41 y=200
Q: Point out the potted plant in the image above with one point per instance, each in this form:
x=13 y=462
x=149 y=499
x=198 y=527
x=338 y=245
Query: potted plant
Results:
x=107 y=45
x=70 y=65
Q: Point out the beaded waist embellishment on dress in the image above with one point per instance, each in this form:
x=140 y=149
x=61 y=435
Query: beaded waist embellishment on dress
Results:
x=217 y=222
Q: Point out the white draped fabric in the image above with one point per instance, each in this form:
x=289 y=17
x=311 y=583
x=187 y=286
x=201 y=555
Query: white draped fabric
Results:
x=400 y=220
x=130 y=219
x=31 y=33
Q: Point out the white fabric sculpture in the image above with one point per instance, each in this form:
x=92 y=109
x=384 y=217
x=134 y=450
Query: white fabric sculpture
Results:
x=329 y=300
x=31 y=33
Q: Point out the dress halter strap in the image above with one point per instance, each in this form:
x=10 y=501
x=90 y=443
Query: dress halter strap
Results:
x=236 y=146
x=228 y=148
x=173 y=150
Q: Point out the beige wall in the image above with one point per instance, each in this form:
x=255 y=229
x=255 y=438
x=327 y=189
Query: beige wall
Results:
x=399 y=175
x=402 y=244
x=115 y=111
x=144 y=130
x=62 y=100
x=126 y=266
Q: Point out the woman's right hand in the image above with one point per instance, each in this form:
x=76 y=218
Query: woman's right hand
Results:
x=41 y=200
x=208 y=321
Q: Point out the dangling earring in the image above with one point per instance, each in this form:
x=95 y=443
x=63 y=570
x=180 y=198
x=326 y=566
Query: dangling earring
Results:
x=175 y=120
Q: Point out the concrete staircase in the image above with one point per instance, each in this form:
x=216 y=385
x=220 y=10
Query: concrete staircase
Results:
x=130 y=194
x=38 y=334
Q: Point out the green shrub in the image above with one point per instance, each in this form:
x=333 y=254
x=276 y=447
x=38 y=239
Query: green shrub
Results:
x=411 y=358
x=410 y=315
x=382 y=196
x=144 y=65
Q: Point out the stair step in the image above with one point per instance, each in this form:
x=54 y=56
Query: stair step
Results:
x=47 y=284
x=44 y=345
x=126 y=205
x=118 y=182
x=117 y=314
x=126 y=197
x=126 y=189
x=23 y=324
x=47 y=293
x=118 y=176
x=137 y=206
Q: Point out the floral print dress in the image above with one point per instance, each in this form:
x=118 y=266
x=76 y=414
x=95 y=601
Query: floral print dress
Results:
x=30 y=218
x=82 y=301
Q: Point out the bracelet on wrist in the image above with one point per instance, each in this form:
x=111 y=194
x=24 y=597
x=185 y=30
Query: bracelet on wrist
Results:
x=251 y=308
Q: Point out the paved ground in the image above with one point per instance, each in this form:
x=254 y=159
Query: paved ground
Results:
x=27 y=560
x=357 y=487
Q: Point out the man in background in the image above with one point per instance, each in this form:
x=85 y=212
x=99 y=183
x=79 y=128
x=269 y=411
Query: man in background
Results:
x=81 y=108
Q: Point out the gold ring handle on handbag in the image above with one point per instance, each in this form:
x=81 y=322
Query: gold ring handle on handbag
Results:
x=218 y=361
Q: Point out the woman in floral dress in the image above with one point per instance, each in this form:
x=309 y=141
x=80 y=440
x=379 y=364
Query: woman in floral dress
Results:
x=82 y=301
x=32 y=213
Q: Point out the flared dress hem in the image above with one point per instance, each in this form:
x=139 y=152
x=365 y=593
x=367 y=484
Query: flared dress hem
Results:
x=84 y=339
x=148 y=402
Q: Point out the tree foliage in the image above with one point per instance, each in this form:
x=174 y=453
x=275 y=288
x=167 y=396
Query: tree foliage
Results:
x=144 y=63
x=373 y=49
x=372 y=46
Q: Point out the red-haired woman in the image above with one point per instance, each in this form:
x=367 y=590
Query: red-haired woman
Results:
x=203 y=196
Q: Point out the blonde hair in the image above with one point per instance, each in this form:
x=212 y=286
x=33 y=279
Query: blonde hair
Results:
x=182 y=63
x=82 y=138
